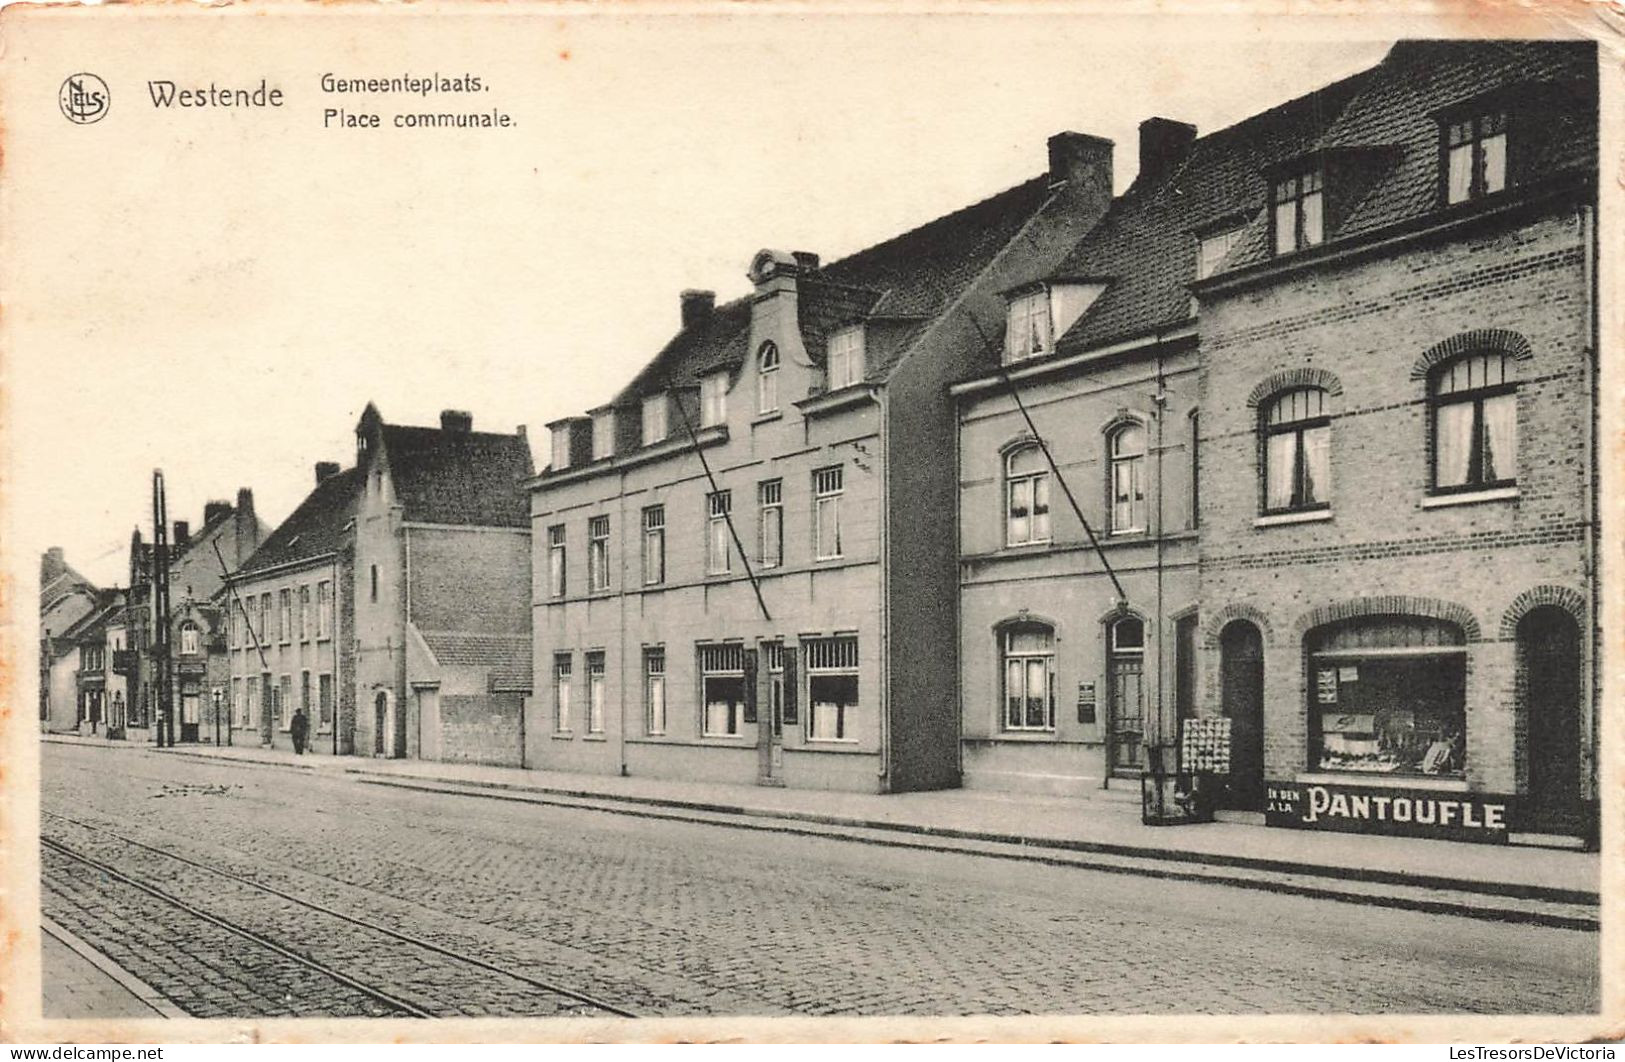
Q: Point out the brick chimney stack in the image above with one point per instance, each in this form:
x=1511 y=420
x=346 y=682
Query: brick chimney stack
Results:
x=182 y=536
x=1164 y=143
x=697 y=307
x=1083 y=165
x=460 y=421
x=326 y=470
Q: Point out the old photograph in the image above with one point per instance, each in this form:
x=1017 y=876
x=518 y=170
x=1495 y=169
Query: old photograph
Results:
x=1008 y=520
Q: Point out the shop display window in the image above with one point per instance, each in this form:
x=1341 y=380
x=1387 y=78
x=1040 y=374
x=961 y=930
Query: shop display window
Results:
x=1387 y=696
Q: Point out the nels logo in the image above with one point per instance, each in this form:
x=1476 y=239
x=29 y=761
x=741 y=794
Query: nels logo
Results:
x=84 y=98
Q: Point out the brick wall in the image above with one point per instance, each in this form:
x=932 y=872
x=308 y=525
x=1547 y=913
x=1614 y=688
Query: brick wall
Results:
x=1365 y=331
x=480 y=728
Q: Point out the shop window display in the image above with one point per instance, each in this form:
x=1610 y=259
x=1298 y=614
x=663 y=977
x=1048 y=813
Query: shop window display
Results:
x=1387 y=696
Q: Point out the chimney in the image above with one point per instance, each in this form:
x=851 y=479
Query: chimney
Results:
x=1164 y=143
x=215 y=510
x=248 y=527
x=460 y=421
x=56 y=555
x=697 y=307
x=183 y=535
x=326 y=470
x=245 y=502
x=806 y=260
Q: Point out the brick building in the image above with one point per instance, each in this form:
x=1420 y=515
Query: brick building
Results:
x=795 y=436
x=198 y=564
x=1324 y=383
x=392 y=604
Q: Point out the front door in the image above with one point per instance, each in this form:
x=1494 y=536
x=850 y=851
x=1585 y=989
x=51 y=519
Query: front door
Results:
x=1549 y=643
x=1241 y=664
x=189 y=716
x=383 y=730
x=770 y=689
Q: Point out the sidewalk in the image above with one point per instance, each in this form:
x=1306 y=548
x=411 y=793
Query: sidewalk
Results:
x=78 y=982
x=1108 y=823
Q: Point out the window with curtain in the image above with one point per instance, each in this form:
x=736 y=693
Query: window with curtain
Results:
x=713 y=399
x=1475 y=424
x=1475 y=157
x=1295 y=430
x=1126 y=448
x=1028 y=334
x=718 y=558
x=1029 y=678
x=845 y=358
x=1026 y=497
x=654 y=691
x=1299 y=216
x=654 y=545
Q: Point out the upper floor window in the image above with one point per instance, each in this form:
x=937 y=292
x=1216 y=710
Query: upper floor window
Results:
x=1299 y=216
x=1296 y=441
x=1029 y=678
x=598 y=553
x=718 y=558
x=1475 y=160
x=1126 y=450
x=846 y=357
x=284 y=610
x=1026 y=495
x=1475 y=424
x=603 y=434
x=189 y=639
x=324 y=609
x=1029 y=332
x=654 y=419
x=770 y=527
x=654 y=545
x=561 y=447
x=767 y=378
x=713 y=399
x=304 y=613
x=827 y=489
x=555 y=561
x=1212 y=249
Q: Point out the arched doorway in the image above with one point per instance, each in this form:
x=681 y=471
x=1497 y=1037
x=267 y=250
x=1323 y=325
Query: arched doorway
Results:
x=383 y=729
x=1549 y=665
x=1241 y=693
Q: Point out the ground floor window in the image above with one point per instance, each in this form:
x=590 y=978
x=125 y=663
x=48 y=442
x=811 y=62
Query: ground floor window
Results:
x=1387 y=696
x=654 y=690
x=239 y=710
x=1029 y=678
x=284 y=703
x=595 y=693
x=722 y=689
x=561 y=692
x=832 y=687
x=324 y=700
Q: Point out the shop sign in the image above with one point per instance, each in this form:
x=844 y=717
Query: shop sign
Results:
x=1480 y=817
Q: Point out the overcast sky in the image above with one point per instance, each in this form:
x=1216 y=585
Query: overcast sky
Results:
x=220 y=293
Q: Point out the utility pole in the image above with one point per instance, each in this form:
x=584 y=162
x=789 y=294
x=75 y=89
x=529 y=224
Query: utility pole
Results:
x=160 y=607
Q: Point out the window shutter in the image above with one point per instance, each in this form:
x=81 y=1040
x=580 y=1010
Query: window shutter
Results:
x=750 y=685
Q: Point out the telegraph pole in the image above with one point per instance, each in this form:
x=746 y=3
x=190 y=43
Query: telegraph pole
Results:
x=162 y=687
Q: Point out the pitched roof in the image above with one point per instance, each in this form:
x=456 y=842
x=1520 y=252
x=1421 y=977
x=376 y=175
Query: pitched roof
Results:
x=916 y=275
x=446 y=476
x=57 y=579
x=316 y=527
x=506 y=657
x=1145 y=248
x=94 y=622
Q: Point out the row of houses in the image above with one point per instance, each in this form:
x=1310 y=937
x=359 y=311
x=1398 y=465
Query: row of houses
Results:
x=1298 y=432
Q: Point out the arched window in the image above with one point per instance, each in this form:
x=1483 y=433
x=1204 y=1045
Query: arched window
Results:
x=1026 y=497
x=1475 y=424
x=767 y=378
x=1295 y=438
x=1126 y=447
x=189 y=639
x=1029 y=677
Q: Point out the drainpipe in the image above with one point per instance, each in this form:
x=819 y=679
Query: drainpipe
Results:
x=1159 y=403
x=887 y=779
x=1589 y=235
x=629 y=538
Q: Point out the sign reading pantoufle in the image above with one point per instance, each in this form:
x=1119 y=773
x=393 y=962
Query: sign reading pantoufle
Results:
x=1480 y=817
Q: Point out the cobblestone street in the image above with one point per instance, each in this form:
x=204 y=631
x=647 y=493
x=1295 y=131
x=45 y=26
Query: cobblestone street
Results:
x=496 y=899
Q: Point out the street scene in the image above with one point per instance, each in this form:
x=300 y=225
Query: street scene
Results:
x=522 y=909
x=1157 y=579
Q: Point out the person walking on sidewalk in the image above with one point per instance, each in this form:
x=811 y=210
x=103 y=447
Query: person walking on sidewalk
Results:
x=299 y=728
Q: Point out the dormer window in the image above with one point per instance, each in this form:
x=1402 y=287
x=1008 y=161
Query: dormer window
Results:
x=189 y=639
x=1475 y=157
x=654 y=419
x=845 y=357
x=1029 y=333
x=603 y=434
x=1299 y=216
x=1212 y=249
x=713 y=399
x=767 y=378
x=561 y=447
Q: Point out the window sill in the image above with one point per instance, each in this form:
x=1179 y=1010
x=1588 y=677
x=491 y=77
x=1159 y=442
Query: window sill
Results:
x=813 y=743
x=1383 y=780
x=1441 y=501
x=562 y=735
x=1023 y=736
x=1311 y=516
x=594 y=736
x=767 y=418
